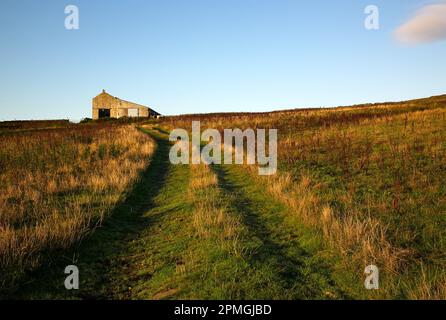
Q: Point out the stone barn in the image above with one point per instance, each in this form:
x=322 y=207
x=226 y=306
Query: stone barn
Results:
x=107 y=106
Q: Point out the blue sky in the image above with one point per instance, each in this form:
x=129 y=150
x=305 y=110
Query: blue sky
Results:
x=209 y=56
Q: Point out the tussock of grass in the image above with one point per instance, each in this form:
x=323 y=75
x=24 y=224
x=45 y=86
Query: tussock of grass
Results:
x=211 y=218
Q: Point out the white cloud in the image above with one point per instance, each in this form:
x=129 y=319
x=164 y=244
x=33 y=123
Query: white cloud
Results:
x=428 y=25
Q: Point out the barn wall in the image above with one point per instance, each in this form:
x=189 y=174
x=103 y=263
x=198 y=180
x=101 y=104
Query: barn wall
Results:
x=118 y=108
x=104 y=101
x=143 y=112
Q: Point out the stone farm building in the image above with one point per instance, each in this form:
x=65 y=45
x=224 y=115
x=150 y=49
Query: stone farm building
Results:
x=107 y=106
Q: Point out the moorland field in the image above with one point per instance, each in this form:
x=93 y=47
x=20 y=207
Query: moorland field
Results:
x=356 y=186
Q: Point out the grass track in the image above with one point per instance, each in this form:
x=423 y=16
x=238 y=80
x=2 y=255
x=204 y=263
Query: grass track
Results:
x=149 y=249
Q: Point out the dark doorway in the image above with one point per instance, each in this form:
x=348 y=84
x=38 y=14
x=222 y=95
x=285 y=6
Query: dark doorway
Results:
x=104 y=113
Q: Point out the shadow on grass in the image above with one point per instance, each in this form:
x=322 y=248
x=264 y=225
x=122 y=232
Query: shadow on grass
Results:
x=291 y=270
x=97 y=256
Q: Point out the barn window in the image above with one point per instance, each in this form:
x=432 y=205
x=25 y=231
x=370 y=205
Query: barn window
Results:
x=133 y=113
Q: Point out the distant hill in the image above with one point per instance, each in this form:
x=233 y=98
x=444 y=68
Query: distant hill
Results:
x=414 y=104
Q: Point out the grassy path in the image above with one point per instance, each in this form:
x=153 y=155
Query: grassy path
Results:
x=186 y=233
x=172 y=260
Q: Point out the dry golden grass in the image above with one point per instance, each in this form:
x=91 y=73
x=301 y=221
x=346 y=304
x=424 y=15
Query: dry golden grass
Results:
x=56 y=185
x=361 y=240
x=211 y=218
x=428 y=287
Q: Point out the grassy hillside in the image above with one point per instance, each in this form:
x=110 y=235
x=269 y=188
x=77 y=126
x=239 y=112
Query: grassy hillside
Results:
x=369 y=180
x=356 y=186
